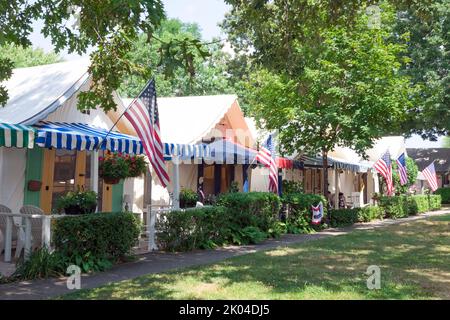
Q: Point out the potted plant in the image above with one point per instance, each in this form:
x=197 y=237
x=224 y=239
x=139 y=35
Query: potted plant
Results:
x=188 y=198
x=77 y=202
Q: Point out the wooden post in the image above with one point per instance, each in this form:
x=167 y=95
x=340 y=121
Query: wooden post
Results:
x=336 y=188
x=94 y=171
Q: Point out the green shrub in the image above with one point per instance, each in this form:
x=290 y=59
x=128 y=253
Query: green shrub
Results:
x=444 y=193
x=241 y=218
x=197 y=228
x=435 y=202
x=369 y=213
x=402 y=206
x=259 y=209
x=300 y=212
x=93 y=241
x=343 y=217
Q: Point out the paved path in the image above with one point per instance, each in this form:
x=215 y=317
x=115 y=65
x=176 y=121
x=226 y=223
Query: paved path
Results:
x=157 y=262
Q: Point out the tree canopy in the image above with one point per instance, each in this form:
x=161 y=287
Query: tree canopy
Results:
x=110 y=27
x=322 y=83
x=210 y=76
x=27 y=57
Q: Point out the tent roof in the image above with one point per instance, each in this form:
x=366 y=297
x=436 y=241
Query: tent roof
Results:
x=424 y=156
x=36 y=92
x=189 y=119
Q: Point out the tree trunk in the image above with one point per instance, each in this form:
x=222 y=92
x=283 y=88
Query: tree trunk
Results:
x=325 y=172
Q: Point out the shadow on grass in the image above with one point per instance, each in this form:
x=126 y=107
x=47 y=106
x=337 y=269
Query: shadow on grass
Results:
x=414 y=261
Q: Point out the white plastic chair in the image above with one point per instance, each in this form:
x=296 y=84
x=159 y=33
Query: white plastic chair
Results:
x=18 y=233
x=36 y=225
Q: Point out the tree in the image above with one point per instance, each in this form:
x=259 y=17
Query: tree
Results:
x=27 y=57
x=331 y=80
x=110 y=27
x=210 y=72
x=428 y=49
x=412 y=172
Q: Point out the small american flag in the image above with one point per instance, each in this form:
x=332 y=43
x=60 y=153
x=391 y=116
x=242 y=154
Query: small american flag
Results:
x=384 y=167
x=401 y=164
x=430 y=174
x=143 y=116
x=266 y=156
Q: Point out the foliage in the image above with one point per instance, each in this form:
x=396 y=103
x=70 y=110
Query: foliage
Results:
x=331 y=84
x=93 y=241
x=258 y=209
x=210 y=72
x=292 y=187
x=121 y=166
x=346 y=217
x=402 y=206
x=412 y=172
x=188 y=198
x=369 y=213
x=27 y=57
x=109 y=27
x=40 y=264
x=428 y=48
x=81 y=201
x=300 y=212
x=444 y=193
x=343 y=217
x=239 y=218
x=234 y=187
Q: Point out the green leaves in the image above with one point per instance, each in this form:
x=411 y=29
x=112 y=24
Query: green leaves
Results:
x=109 y=28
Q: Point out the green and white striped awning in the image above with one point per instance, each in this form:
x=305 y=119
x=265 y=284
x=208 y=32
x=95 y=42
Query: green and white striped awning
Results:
x=16 y=135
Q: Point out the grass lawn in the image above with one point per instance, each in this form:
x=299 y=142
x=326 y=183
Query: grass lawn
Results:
x=414 y=259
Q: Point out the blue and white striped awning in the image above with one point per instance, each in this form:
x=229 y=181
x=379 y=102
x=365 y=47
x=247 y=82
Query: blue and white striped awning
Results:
x=79 y=136
x=186 y=150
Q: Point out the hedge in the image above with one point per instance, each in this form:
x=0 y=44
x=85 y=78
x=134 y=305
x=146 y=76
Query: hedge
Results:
x=299 y=211
x=444 y=193
x=88 y=239
x=259 y=209
x=346 y=217
x=403 y=206
x=237 y=218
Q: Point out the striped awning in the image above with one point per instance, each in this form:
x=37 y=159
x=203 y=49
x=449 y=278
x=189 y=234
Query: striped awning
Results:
x=186 y=150
x=80 y=136
x=16 y=135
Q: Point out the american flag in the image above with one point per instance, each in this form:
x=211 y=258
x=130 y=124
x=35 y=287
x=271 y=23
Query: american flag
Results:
x=401 y=164
x=143 y=115
x=430 y=174
x=266 y=156
x=384 y=167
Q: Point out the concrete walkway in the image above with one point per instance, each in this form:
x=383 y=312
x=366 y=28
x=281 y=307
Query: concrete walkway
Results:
x=157 y=262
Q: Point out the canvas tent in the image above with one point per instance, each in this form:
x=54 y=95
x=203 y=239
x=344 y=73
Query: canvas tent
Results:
x=42 y=114
x=196 y=120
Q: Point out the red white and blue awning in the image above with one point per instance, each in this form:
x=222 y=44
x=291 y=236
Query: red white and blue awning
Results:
x=80 y=136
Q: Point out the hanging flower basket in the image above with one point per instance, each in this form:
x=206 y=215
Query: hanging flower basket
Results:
x=109 y=180
x=116 y=166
